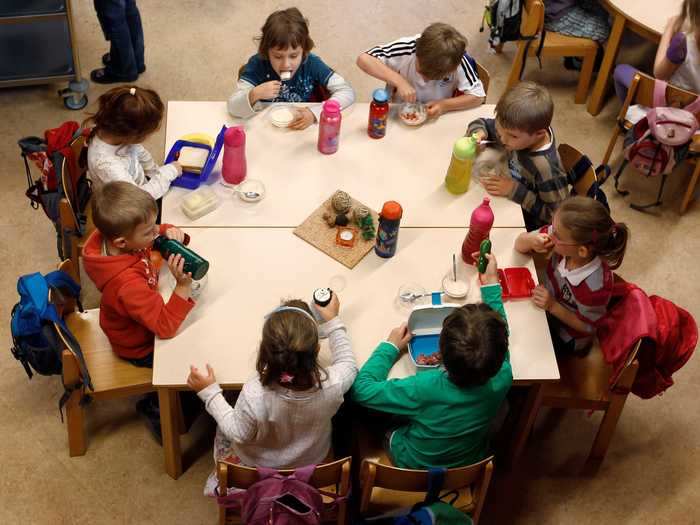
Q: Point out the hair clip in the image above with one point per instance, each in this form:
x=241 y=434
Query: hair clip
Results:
x=614 y=230
x=286 y=377
x=290 y=308
x=132 y=91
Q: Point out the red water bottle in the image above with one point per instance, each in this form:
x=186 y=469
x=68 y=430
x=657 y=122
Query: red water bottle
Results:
x=233 y=168
x=378 y=113
x=479 y=229
x=329 y=127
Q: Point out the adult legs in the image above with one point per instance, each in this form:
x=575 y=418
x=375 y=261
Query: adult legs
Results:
x=122 y=64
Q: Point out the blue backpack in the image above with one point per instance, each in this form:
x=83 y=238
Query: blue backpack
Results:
x=39 y=332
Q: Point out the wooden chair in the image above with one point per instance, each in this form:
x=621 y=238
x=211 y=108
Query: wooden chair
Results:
x=386 y=488
x=585 y=385
x=569 y=157
x=66 y=206
x=111 y=377
x=332 y=477
x=641 y=91
x=554 y=44
x=483 y=76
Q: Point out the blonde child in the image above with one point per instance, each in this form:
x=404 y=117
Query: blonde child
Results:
x=586 y=245
x=126 y=116
x=282 y=418
x=432 y=67
x=285 y=51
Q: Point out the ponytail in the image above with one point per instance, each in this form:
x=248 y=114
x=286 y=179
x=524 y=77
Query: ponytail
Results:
x=612 y=244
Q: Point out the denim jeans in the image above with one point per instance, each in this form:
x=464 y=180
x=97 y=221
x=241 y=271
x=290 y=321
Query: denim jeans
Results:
x=121 y=24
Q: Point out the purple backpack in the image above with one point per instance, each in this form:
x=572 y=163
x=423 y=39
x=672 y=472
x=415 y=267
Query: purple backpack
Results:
x=278 y=499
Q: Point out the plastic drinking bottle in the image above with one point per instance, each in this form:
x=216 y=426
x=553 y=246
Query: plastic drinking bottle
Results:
x=378 y=113
x=483 y=262
x=479 y=229
x=329 y=127
x=194 y=264
x=234 y=167
x=459 y=173
x=388 y=229
x=321 y=297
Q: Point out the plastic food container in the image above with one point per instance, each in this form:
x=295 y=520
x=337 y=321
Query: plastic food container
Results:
x=516 y=283
x=413 y=113
x=281 y=115
x=192 y=180
x=200 y=202
x=425 y=323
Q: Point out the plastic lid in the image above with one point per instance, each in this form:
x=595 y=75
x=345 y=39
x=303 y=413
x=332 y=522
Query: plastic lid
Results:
x=464 y=148
x=486 y=202
x=380 y=95
x=234 y=136
x=331 y=107
x=392 y=210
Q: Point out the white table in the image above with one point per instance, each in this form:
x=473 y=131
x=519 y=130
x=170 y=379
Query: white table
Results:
x=252 y=268
x=408 y=165
x=647 y=18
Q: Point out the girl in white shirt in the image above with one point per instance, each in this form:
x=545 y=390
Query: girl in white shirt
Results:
x=126 y=116
x=282 y=418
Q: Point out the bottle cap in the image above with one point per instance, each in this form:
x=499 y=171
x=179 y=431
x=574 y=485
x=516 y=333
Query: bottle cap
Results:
x=234 y=136
x=391 y=210
x=322 y=296
x=380 y=95
x=332 y=107
x=486 y=202
x=464 y=148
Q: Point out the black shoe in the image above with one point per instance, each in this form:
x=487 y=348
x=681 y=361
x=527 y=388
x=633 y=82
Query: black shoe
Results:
x=102 y=76
x=107 y=60
x=151 y=416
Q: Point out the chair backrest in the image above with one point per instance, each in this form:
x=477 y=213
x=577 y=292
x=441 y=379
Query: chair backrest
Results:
x=483 y=76
x=532 y=21
x=569 y=157
x=80 y=154
x=641 y=91
x=476 y=476
x=625 y=378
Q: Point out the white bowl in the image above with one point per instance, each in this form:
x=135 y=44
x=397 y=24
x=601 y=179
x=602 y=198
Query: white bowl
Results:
x=413 y=113
x=281 y=115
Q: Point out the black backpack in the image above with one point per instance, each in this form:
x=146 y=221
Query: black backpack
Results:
x=503 y=18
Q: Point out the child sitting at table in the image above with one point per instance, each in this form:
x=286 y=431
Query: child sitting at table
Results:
x=125 y=117
x=432 y=67
x=117 y=257
x=677 y=57
x=586 y=245
x=446 y=411
x=538 y=182
x=285 y=70
x=282 y=418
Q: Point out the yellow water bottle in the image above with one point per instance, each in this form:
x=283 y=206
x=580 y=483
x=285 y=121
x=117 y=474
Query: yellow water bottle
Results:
x=459 y=173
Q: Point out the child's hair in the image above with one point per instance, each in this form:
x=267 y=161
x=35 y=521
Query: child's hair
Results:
x=119 y=207
x=439 y=50
x=127 y=111
x=527 y=106
x=289 y=347
x=591 y=225
x=690 y=12
x=283 y=29
x=473 y=344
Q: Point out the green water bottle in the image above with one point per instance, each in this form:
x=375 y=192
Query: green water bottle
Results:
x=194 y=264
x=459 y=173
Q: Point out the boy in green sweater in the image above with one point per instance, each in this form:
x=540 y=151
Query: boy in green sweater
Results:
x=448 y=410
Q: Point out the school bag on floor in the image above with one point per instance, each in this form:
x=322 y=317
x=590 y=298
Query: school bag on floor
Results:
x=35 y=325
x=660 y=139
x=48 y=154
x=279 y=500
x=503 y=19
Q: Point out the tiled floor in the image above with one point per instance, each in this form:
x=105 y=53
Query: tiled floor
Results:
x=193 y=49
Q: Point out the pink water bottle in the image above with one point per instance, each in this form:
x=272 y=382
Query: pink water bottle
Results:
x=233 y=168
x=479 y=229
x=329 y=127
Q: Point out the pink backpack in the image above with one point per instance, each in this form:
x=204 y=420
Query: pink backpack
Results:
x=279 y=500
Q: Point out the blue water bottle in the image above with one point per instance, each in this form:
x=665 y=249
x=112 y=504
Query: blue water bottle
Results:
x=388 y=229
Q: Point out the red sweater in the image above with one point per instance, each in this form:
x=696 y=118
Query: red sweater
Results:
x=131 y=310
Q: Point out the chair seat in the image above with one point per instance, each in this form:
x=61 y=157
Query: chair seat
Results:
x=556 y=44
x=385 y=500
x=584 y=381
x=109 y=373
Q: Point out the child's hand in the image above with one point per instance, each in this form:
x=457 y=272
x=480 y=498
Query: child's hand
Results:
x=176 y=264
x=330 y=311
x=542 y=298
x=303 y=119
x=400 y=336
x=498 y=186
x=480 y=136
x=197 y=381
x=435 y=108
x=175 y=234
x=406 y=91
x=178 y=167
x=541 y=243
x=267 y=90
x=490 y=276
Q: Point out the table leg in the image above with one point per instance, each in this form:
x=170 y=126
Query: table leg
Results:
x=525 y=422
x=595 y=103
x=169 y=425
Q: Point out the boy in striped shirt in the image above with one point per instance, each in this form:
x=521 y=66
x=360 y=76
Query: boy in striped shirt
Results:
x=432 y=67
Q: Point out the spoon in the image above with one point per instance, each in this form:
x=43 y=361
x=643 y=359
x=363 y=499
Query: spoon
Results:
x=409 y=297
x=247 y=194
